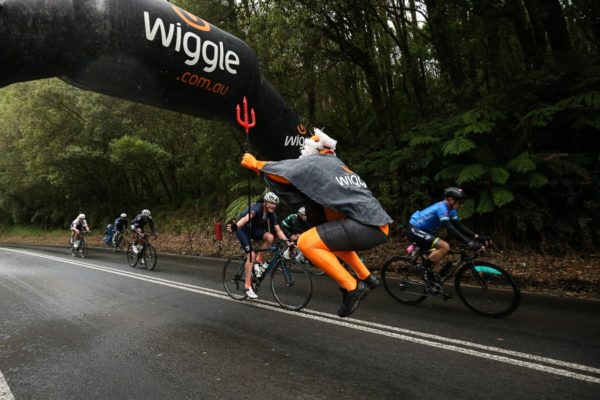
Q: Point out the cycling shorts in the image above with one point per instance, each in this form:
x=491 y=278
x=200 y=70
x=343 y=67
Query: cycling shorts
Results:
x=349 y=235
x=423 y=239
x=243 y=234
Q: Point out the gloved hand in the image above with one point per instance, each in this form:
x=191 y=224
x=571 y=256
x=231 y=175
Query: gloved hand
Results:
x=250 y=162
x=231 y=226
x=473 y=245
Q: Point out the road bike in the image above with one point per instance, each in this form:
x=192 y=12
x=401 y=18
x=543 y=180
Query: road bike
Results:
x=78 y=246
x=145 y=255
x=483 y=287
x=119 y=242
x=290 y=280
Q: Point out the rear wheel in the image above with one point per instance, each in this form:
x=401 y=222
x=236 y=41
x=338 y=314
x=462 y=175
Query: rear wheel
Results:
x=132 y=257
x=234 y=277
x=403 y=280
x=150 y=257
x=487 y=289
x=291 y=284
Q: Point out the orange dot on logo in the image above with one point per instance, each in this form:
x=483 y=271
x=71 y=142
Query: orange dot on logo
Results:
x=301 y=129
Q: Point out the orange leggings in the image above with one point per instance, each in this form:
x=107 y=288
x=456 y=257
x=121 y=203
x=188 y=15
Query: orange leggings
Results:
x=318 y=253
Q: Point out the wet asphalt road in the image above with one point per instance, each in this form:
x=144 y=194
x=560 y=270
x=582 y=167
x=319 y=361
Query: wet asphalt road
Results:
x=98 y=329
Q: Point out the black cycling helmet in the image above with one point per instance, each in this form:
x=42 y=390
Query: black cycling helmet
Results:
x=455 y=193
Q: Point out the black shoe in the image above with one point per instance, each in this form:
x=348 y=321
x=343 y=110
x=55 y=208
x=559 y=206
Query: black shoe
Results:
x=351 y=299
x=432 y=280
x=372 y=282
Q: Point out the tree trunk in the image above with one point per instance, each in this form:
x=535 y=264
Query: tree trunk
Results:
x=516 y=13
x=442 y=41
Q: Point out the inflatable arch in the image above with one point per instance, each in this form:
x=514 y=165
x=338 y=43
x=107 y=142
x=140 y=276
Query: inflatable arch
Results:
x=149 y=51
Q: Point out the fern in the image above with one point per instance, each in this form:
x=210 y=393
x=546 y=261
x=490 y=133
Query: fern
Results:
x=499 y=175
x=522 y=163
x=458 y=145
x=486 y=203
x=537 y=180
x=449 y=173
x=470 y=173
x=502 y=196
x=467 y=210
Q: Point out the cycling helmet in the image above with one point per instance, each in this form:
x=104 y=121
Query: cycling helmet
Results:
x=123 y=215
x=271 y=198
x=146 y=213
x=302 y=211
x=455 y=193
x=81 y=216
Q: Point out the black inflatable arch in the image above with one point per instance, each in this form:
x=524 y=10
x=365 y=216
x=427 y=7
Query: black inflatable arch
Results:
x=149 y=51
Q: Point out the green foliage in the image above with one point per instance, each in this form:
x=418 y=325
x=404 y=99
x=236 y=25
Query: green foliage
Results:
x=416 y=105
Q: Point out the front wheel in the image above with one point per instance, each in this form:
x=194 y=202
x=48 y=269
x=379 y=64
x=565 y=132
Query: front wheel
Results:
x=234 y=277
x=291 y=284
x=403 y=280
x=487 y=289
x=132 y=257
x=150 y=257
x=83 y=249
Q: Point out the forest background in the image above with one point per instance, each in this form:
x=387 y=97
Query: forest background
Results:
x=499 y=97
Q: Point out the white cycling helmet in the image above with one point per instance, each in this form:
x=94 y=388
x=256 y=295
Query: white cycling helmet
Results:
x=271 y=198
x=146 y=213
x=81 y=216
x=123 y=215
x=302 y=211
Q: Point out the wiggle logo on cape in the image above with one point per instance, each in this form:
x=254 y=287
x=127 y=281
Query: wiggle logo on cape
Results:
x=197 y=49
x=350 y=179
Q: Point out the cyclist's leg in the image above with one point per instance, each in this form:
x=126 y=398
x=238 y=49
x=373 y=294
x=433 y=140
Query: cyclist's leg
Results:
x=441 y=249
x=266 y=238
x=313 y=248
x=354 y=261
x=243 y=236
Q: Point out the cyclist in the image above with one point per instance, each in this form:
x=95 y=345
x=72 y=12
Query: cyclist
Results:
x=119 y=226
x=259 y=223
x=137 y=226
x=295 y=224
x=345 y=216
x=424 y=223
x=78 y=225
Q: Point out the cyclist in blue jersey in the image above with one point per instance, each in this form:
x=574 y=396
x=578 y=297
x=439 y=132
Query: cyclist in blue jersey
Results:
x=119 y=226
x=424 y=223
x=259 y=223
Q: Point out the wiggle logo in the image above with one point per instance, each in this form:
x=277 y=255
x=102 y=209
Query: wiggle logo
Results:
x=205 y=27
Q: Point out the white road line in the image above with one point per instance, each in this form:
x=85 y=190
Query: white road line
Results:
x=5 y=393
x=530 y=361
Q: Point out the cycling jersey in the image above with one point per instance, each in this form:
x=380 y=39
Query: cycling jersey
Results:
x=120 y=224
x=293 y=224
x=79 y=224
x=431 y=218
x=261 y=223
x=260 y=219
x=140 y=222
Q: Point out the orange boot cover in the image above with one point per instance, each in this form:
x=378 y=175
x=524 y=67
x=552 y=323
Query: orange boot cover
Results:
x=352 y=259
x=318 y=253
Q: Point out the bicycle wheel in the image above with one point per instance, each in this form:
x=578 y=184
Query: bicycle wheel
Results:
x=132 y=257
x=82 y=249
x=291 y=284
x=234 y=277
x=403 y=280
x=118 y=242
x=73 y=250
x=487 y=289
x=150 y=257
